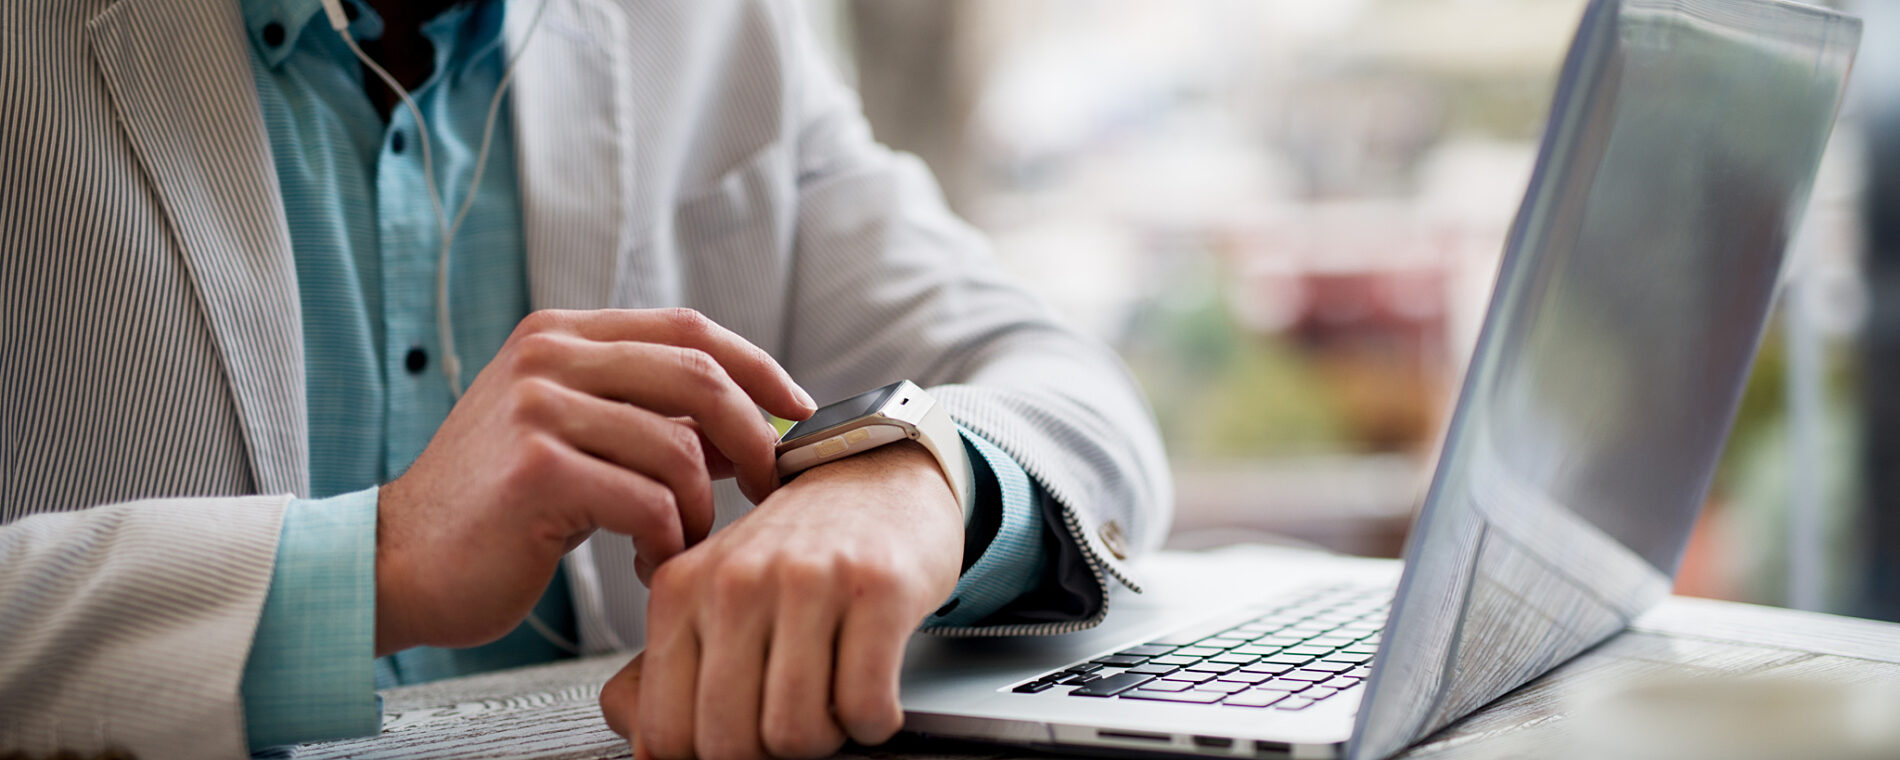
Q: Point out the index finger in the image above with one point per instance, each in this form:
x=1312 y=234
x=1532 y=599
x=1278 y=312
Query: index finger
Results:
x=754 y=370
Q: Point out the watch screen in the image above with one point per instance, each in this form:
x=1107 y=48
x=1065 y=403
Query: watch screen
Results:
x=832 y=415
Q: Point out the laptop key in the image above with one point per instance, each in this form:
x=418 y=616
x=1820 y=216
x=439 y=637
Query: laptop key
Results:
x=1197 y=652
x=1189 y=676
x=1120 y=661
x=1340 y=683
x=1236 y=658
x=1221 y=642
x=1215 y=668
x=1289 y=660
x=1173 y=659
x=1152 y=669
x=1224 y=687
x=1034 y=687
x=1318 y=693
x=1331 y=666
x=1087 y=667
x=1146 y=650
x=1080 y=678
x=1309 y=650
x=1191 y=695
x=1108 y=686
x=1294 y=703
x=1308 y=675
x=1254 y=698
x=1166 y=685
x=1242 y=676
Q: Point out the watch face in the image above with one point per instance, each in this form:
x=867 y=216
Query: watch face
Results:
x=833 y=415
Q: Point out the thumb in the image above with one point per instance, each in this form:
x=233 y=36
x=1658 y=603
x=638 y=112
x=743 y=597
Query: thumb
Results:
x=620 y=698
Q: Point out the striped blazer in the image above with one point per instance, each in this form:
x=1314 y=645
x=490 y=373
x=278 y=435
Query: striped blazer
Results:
x=671 y=152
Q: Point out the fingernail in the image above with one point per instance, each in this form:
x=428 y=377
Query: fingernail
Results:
x=805 y=398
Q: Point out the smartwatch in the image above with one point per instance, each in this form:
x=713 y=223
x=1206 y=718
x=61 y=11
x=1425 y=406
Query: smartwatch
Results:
x=896 y=412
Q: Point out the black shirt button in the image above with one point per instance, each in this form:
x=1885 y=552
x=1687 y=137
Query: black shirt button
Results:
x=273 y=34
x=395 y=142
x=416 y=361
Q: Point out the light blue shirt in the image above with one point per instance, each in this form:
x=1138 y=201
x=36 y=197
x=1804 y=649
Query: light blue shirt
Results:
x=365 y=239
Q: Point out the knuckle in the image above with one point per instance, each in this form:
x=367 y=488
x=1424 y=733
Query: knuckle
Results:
x=806 y=576
x=666 y=742
x=870 y=717
x=540 y=351
x=538 y=457
x=537 y=402
x=539 y=454
x=701 y=369
x=687 y=321
x=661 y=503
x=873 y=580
x=787 y=738
x=738 y=583
x=686 y=446
x=541 y=321
x=673 y=580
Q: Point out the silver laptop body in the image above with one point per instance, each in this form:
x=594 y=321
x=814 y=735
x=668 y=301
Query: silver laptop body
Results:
x=1634 y=289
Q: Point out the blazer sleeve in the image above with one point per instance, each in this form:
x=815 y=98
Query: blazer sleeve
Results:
x=888 y=283
x=128 y=625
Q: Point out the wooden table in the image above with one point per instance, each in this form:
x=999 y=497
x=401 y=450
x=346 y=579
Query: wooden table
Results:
x=550 y=711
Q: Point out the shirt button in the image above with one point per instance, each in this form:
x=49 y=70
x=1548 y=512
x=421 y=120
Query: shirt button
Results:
x=416 y=361
x=273 y=34
x=395 y=142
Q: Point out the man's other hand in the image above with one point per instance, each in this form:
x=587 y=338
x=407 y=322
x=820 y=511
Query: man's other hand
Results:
x=595 y=419
x=784 y=633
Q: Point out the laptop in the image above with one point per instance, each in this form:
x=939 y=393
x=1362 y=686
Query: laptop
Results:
x=1633 y=292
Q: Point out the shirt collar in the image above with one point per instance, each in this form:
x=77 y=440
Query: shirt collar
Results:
x=467 y=28
x=276 y=25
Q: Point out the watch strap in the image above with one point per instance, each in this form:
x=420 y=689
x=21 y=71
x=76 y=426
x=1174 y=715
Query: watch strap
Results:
x=940 y=436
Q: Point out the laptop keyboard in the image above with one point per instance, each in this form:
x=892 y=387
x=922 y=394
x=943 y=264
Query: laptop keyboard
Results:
x=1289 y=656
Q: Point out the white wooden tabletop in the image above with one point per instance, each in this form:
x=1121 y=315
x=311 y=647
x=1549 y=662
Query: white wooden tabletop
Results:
x=550 y=711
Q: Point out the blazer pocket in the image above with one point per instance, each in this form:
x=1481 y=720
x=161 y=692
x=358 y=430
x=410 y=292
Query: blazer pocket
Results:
x=733 y=240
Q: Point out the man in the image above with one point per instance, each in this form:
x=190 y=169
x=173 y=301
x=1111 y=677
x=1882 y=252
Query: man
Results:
x=233 y=469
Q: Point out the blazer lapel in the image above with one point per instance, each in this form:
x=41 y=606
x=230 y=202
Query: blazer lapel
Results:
x=574 y=149
x=180 y=80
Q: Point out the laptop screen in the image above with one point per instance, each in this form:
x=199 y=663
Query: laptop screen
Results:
x=1635 y=287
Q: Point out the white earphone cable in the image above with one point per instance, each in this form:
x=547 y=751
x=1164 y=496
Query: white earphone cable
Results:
x=445 y=332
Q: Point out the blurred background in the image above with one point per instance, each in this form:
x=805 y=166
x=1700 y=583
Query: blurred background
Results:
x=1287 y=215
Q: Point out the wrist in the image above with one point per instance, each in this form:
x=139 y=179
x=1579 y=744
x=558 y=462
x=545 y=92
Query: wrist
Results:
x=905 y=465
x=393 y=632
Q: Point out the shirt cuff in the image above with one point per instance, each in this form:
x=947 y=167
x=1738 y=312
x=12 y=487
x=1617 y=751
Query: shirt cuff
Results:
x=1013 y=563
x=310 y=675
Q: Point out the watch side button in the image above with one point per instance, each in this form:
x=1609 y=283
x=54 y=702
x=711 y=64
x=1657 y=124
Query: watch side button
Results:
x=831 y=447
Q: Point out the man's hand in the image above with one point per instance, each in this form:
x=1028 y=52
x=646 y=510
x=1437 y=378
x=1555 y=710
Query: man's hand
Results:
x=599 y=419
x=783 y=634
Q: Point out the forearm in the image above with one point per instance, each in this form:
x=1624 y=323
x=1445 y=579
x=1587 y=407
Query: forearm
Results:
x=127 y=625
